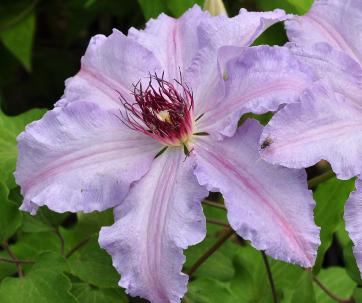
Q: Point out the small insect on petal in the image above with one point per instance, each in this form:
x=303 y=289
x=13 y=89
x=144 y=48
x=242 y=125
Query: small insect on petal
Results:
x=266 y=143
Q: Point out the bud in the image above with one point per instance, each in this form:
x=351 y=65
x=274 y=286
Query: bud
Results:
x=215 y=7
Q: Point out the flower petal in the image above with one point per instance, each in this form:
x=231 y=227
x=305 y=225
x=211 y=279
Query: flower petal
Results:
x=269 y=205
x=80 y=158
x=109 y=68
x=342 y=72
x=240 y=30
x=352 y=217
x=160 y=217
x=204 y=77
x=258 y=80
x=336 y=22
x=173 y=41
x=324 y=125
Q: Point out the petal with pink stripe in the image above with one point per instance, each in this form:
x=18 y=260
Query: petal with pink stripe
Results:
x=161 y=216
x=80 y=158
x=324 y=125
x=268 y=205
x=336 y=22
x=174 y=42
x=257 y=80
x=109 y=68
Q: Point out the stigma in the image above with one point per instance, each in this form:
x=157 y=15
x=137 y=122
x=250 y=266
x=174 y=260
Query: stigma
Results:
x=162 y=110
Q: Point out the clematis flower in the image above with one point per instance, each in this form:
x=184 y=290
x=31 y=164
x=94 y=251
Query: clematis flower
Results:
x=327 y=123
x=149 y=125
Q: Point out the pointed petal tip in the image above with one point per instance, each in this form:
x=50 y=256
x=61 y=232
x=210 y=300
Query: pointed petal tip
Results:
x=161 y=216
x=269 y=205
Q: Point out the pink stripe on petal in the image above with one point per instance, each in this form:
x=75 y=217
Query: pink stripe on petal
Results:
x=271 y=206
x=324 y=125
x=106 y=86
x=174 y=42
x=111 y=65
x=332 y=21
x=80 y=158
x=343 y=73
x=332 y=35
x=258 y=80
x=160 y=217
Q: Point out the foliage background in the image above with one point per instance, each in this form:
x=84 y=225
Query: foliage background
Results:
x=41 y=43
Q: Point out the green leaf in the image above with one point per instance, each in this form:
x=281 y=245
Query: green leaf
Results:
x=330 y=197
x=304 y=292
x=18 y=39
x=206 y=290
x=151 y=9
x=51 y=261
x=43 y=284
x=337 y=281
x=44 y=220
x=10 y=216
x=218 y=266
x=29 y=246
x=93 y=265
x=178 y=7
x=251 y=283
x=290 y=6
x=348 y=256
x=88 y=225
x=274 y=35
x=88 y=294
x=92 y=222
x=10 y=127
x=357 y=295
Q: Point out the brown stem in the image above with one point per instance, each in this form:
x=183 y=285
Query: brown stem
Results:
x=228 y=232
x=19 y=268
x=16 y=261
x=61 y=239
x=185 y=300
x=214 y=204
x=270 y=276
x=329 y=293
x=77 y=246
x=312 y=183
x=217 y=222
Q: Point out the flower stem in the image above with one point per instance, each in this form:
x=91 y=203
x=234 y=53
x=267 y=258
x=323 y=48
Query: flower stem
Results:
x=312 y=183
x=270 y=277
x=77 y=246
x=16 y=261
x=228 y=232
x=329 y=293
x=217 y=222
x=214 y=204
x=61 y=239
x=19 y=268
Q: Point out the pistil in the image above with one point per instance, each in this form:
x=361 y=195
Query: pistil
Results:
x=163 y=111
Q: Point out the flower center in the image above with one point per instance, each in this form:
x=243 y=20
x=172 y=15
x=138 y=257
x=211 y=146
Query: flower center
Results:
x=162 y=111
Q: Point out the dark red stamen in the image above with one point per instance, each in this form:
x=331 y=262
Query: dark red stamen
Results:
x=160 y=110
